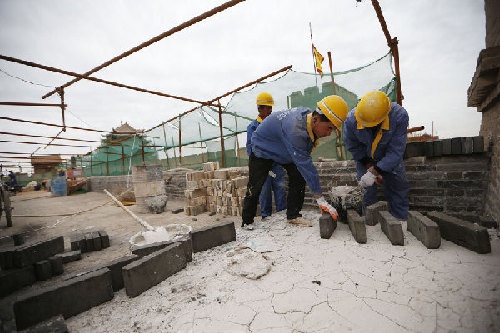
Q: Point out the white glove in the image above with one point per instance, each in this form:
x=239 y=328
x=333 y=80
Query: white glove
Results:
x=368 y=179
x=326 y=207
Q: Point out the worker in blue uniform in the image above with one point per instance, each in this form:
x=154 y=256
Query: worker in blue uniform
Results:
x=287 y=138
x=375 y=133
x=275 y=182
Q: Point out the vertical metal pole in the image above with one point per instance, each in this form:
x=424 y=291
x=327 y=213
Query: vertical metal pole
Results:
x=180 y=141
x=91 y=171
x=123 y=160
x=237 y=141
x=201 y=139
x=60 y=90
x=142 y=149
x=175 y=157
x=107 y=161
x=312 y=51
x=165 y=147
x=221 y=137
x=393 y=44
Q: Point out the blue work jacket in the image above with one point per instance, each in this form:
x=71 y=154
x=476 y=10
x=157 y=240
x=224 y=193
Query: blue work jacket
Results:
x=391 y=147
x=286 y=137
x=250 y=129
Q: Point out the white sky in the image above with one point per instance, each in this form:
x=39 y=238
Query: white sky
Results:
x=439 y=42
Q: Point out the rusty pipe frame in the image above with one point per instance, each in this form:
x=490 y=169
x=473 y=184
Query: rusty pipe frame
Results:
x=45 y=137
x=393 y=45
x=178 y=28
x=32 y=104
x=95 y=79
x=224 y=95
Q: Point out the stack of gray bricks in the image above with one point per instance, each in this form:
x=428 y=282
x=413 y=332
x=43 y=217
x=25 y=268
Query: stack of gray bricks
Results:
x=22 y=266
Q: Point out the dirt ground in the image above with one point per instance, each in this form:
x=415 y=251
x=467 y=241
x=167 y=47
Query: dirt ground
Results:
x=281 y=277
x=107 y=216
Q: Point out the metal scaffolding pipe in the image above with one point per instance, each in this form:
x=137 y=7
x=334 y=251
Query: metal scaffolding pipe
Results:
x=31 y=104
x=46 y=137
x=153 y=40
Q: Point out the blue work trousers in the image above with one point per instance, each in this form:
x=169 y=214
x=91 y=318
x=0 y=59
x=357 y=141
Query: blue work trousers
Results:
x=396 y=188
x=276 y=185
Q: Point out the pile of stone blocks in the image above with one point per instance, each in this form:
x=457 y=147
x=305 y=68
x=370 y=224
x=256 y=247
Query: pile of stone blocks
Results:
x=24 y=265
x=216 y=190
x=89 y=241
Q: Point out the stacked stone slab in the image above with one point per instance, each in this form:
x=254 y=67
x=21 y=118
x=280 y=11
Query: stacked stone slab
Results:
x=89 y=241
x=424 y=229
x=391 y=227
x=216 y=190
x=468 y=235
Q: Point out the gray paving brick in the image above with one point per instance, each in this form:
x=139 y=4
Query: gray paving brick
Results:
x=68 y=298
x=89 y=242
x=414 y=149
x=326 y=226
x=32 y=253
x=7 y=258
x=391 y=227
x=478 y=144
x=437 y=147
x=70 y=256
x=104 y=239
x=56 y=265
x=357 y=226
x=446 y=146
x=96 y=240
x=468 y=235
x=116 y=267
x=371 y=212
x=152 y=269
x=144 y=250
x=468 y=145
x=209 y=237
x=457 y=146
x=424 y=229
x=15 y=279
x=43 y=270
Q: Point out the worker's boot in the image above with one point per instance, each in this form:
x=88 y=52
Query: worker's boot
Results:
x=301 y=221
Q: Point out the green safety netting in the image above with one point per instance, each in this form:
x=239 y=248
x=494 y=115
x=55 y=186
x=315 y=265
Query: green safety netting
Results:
x=200 y=132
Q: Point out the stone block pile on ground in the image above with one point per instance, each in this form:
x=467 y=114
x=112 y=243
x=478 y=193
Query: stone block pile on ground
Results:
x=216 y=190
x=89 y=241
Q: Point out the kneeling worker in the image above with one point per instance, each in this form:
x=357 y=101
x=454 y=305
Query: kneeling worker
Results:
x=288 y=138
x=375 y=133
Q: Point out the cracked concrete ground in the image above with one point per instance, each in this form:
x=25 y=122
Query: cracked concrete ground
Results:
x=317 y=285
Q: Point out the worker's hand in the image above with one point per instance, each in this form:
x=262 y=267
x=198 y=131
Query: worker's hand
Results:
x=368 y=179
x=326 y=207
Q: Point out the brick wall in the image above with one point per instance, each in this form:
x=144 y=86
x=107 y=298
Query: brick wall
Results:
x=490 y=129
x=447 y=183
x=492 y=9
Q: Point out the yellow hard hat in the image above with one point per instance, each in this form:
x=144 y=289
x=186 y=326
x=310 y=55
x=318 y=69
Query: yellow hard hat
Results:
x=372 y=109
x=334 y=108
x=265 y=98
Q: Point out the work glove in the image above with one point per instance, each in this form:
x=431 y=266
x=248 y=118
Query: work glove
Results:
x=369 y=178
x=326 y=207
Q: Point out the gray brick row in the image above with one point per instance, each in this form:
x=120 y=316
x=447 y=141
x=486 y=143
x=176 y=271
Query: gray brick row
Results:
x=327 y=226
x=468 y=235
x=206 y=238
x=424 y=229
x=357 y=226
x=89 y=241
x=371 y=217
x=391 y=227
x=67 y=298
x=148 y=271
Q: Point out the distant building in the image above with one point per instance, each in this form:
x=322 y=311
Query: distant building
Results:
x=45 y=163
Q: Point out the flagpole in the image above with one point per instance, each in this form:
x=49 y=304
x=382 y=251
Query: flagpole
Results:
x=312 y=51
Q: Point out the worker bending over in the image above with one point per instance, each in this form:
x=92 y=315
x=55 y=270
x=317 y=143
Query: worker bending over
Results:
x=287 y=138
x=375 y=133
x=275 y=182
